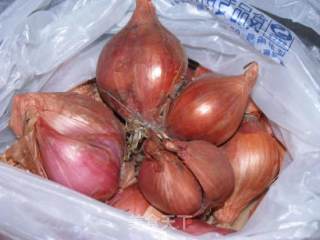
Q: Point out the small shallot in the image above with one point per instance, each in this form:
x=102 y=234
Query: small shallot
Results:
x=211 y=107
x=209 y=165
x=167 y=183
x=185 y=178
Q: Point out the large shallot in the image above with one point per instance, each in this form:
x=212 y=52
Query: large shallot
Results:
x=140 y=68
x=77 y=141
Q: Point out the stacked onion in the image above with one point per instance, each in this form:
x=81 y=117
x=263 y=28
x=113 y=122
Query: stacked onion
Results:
x=205 y=147
x=184 y=178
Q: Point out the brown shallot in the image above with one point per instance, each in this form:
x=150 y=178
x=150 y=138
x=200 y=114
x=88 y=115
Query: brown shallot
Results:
x=211 y=107
x=255 y=158
x=140 y=68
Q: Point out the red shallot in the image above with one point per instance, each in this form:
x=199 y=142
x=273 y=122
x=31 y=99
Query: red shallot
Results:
x=80 y=141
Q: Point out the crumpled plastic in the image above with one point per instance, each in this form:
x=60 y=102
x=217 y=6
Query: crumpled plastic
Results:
x=305 y=12
x=54 y=45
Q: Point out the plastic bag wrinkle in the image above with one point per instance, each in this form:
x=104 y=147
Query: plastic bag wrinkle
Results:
x=38 y=56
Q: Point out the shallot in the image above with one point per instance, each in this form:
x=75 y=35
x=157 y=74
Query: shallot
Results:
x=211 y=107
x=78 y=141
x=141 y=67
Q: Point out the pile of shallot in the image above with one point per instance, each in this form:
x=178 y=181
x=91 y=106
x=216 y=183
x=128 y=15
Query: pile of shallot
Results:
x=152 y=135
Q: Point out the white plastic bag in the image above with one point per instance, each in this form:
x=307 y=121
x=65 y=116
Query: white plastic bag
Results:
x=305 y=12
x=53 y=46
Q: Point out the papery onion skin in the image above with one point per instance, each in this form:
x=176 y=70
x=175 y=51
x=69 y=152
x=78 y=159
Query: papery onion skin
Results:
x=266 y=124
x=68 y=113
x=86 y=133
x=195 y=70
x=210 y=166
x=254 y=113
x=89 y=89
x=197 y=227
x=252 y=109
x=127 y=174
x=130 y=200
x=251 y=124
x=202 y=70
x=211 y=108
x=255 y=159
x=245 y=214
x=166 y=183
x=141 y=66
x=189 y=74
x=75 y=164
x=24 y=154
